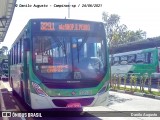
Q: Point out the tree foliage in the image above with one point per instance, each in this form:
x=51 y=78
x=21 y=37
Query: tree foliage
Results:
x=3 y=52
x=119 y=34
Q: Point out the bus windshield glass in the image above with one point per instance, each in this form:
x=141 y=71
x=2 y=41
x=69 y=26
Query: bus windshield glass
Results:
x=69 y=57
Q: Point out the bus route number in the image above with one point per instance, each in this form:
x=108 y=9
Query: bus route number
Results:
x=47 y=26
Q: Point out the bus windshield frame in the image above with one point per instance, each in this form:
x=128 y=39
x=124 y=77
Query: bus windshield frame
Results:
x=83 y=55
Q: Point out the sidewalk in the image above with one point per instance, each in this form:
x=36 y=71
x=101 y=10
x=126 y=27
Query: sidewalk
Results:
x=139 y=93
x=145 y=88
x=7 y=104
x=6 y=85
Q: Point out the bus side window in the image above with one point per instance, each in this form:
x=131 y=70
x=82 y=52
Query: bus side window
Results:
x=150 y=57
x=16 y=53
x=123 y=60
x=116 y=60
x=131 y=59
x=111 y=60
x=11 y=56
x=140 y=58
x=14 y=57
x=19 y=52
x=22 y=49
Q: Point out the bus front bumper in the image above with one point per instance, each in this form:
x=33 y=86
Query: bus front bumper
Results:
x=46 y=102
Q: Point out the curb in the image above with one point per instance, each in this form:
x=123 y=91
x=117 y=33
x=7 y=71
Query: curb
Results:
x=137 y=94
x=2 y=106
x=121 y=91
x=7 y=106
x=157 y=97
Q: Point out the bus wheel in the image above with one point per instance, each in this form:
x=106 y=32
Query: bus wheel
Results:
x=130 y=73
x=13 y=91
x=21 y=89
x=11 y=82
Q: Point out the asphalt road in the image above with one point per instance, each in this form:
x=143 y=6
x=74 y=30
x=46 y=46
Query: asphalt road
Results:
x=121 y=107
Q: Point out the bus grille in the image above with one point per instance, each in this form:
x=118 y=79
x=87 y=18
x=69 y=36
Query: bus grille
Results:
x=64 y=102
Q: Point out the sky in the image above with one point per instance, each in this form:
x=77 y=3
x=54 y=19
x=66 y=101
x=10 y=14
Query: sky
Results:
x=136 y=14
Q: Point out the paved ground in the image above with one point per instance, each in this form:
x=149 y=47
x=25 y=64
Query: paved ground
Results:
x=121 y=107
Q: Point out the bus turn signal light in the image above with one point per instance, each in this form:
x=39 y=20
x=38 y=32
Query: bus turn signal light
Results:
x=38 y=89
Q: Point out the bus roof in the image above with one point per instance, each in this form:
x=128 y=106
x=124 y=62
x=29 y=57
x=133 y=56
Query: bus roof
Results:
x=134 y=52
x=53 y=20
x=62 y=20
x=137 y=45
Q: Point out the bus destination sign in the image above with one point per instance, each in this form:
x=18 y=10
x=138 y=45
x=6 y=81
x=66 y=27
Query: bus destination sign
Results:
x=51 y=26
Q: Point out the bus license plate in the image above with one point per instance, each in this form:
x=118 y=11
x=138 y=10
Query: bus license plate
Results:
x=73 y=105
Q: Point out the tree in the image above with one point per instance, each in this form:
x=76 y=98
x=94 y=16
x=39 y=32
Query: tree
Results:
x=111 y=26
x=135 y=36
x=3 y=52
x=119 y=34
x=5 y=49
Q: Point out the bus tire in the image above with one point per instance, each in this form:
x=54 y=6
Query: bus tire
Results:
x=13 y=91
x=130 y=73
x=11 y=83
x=22 y=92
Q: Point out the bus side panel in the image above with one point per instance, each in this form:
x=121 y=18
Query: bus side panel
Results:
x=15 y=78
x=27 y=61
x=158 y=67
x=26 y=87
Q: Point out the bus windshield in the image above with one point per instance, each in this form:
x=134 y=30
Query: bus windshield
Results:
x=69 y=57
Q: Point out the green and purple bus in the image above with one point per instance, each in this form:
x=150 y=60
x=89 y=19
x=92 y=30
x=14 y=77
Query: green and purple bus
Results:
x=60 y=63
x=137 y=62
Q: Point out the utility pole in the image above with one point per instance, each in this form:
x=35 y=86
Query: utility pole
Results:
x=69 y=9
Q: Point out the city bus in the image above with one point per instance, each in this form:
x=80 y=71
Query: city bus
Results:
x=4 y=69
x=60 y=63
x=137 y=62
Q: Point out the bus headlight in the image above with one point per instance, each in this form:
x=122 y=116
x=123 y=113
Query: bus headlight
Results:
x=38 y=89
x=104 y=88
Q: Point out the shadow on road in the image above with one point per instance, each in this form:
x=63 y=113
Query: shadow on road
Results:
x=115 y=99
x=55 y=114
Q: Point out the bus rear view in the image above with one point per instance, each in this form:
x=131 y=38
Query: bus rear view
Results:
x=66 y=65
x=4 y=69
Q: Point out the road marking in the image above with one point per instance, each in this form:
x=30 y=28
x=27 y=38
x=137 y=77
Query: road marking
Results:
x=17 y=108
x=13 y=100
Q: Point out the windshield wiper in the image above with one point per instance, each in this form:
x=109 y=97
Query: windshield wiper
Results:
x=64 y=49
x=81 y=45
x=83 y=42
x=62 y=45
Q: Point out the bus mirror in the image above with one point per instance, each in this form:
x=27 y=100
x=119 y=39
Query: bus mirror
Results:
x=26 y=44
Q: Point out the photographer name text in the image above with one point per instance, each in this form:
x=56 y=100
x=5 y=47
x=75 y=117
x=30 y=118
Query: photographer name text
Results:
x=58 y=5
